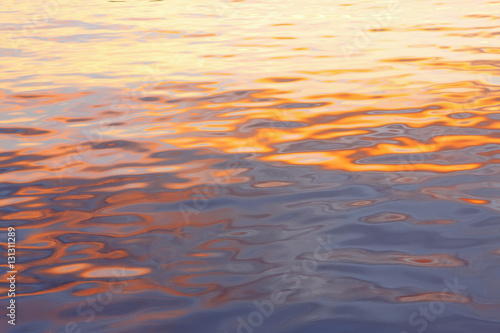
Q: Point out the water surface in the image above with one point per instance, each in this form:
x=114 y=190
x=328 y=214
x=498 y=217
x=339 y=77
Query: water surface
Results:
x=252 y=166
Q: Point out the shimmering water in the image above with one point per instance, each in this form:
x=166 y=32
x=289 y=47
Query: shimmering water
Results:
x=251 y=166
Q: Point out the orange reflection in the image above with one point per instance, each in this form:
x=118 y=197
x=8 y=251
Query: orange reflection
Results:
x=436 y=297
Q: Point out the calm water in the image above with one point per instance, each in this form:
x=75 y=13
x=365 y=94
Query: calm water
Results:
x=254 y=166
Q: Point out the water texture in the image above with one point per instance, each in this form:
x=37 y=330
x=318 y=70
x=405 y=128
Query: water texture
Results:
x=252 y=166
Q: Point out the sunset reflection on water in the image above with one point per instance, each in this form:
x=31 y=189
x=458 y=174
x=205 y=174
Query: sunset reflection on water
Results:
x=171 y=165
